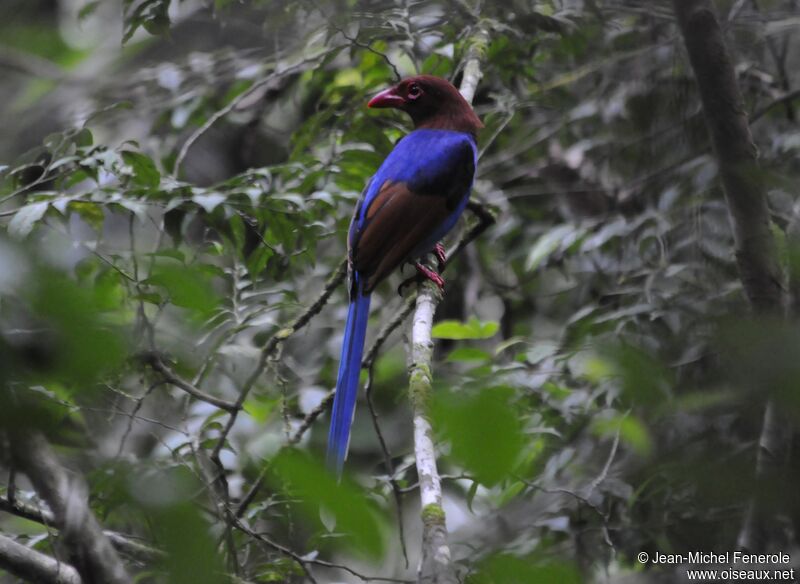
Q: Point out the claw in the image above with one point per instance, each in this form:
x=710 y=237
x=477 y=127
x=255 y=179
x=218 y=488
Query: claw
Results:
x=406 y=282
x=441 y=256
x=426 y=273
x=430 y=274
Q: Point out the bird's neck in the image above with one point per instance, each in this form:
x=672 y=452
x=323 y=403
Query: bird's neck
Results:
x=454 y=119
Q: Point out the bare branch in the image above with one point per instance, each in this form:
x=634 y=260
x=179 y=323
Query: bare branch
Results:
x=157 y=363
x=94 y=557
x=122 y=543
x=33 y=566
x=786 y=98
x=304 y=562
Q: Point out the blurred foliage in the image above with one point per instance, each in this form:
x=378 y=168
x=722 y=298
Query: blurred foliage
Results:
x=176 y=179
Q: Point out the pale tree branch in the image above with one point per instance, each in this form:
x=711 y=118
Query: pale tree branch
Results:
x=90 y=551
x=436 y=566
x=756 y=251
x=33 y=566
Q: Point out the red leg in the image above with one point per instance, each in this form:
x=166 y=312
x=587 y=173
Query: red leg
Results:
x=424 y=272
x=438 y=250
x=430 y=274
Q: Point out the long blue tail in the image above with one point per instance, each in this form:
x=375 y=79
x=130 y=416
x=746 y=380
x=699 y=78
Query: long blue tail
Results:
x=344 y=402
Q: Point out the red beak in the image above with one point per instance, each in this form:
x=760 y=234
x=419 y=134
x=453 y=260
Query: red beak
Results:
x=387 y=98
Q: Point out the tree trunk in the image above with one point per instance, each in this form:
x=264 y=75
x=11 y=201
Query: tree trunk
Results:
x=756 y=252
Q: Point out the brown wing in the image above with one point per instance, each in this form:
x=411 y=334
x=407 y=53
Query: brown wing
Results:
x=396 y=221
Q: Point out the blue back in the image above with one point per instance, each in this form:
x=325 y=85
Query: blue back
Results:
x=430 y=162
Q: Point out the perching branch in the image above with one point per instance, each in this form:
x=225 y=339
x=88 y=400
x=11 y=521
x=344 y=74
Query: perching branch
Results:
x=436 y=566
x=90 y=550
x=28 y=564
x=756 y=252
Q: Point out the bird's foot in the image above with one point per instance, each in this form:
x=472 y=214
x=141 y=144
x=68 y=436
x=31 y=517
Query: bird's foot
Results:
x=430 y=274
x=441 y=256
x=423 y=273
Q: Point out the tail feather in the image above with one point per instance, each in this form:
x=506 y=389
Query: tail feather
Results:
x=344 y=402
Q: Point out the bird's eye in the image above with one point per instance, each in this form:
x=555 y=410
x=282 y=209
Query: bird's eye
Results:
x=414 y=91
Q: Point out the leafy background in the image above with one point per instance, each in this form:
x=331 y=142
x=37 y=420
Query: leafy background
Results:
x=177 y=180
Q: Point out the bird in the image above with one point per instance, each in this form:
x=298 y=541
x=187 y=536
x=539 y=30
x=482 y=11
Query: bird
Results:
x=411 y=202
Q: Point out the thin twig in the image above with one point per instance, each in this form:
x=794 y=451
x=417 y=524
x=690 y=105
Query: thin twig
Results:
x=611 y=454
x=305 y=562
x=387 y=461
x=325 y=403
x=270 y=347
x=156 y=362
x=330 y=19
x=780 y=100
x=336 y=278
x=132 y=417
x=231 y=105
x=582 y=499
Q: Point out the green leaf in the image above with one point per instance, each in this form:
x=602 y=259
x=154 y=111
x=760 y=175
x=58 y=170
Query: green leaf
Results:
x=145 y=172
x=473 y=490
x=466 y=354
x=87 y=10
x=84 y=342
x=185 y=536
x=559 y=238
x=89 y=212
x=260 y=409
x=152 y=15
x=474 y=329
x=644 y=380
x=484 y=430
x=187 y=287
x=507 y=569
x=23 y=221
x=317 y=489
x=83 y=138
x=631 y=432
x=209 y=201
